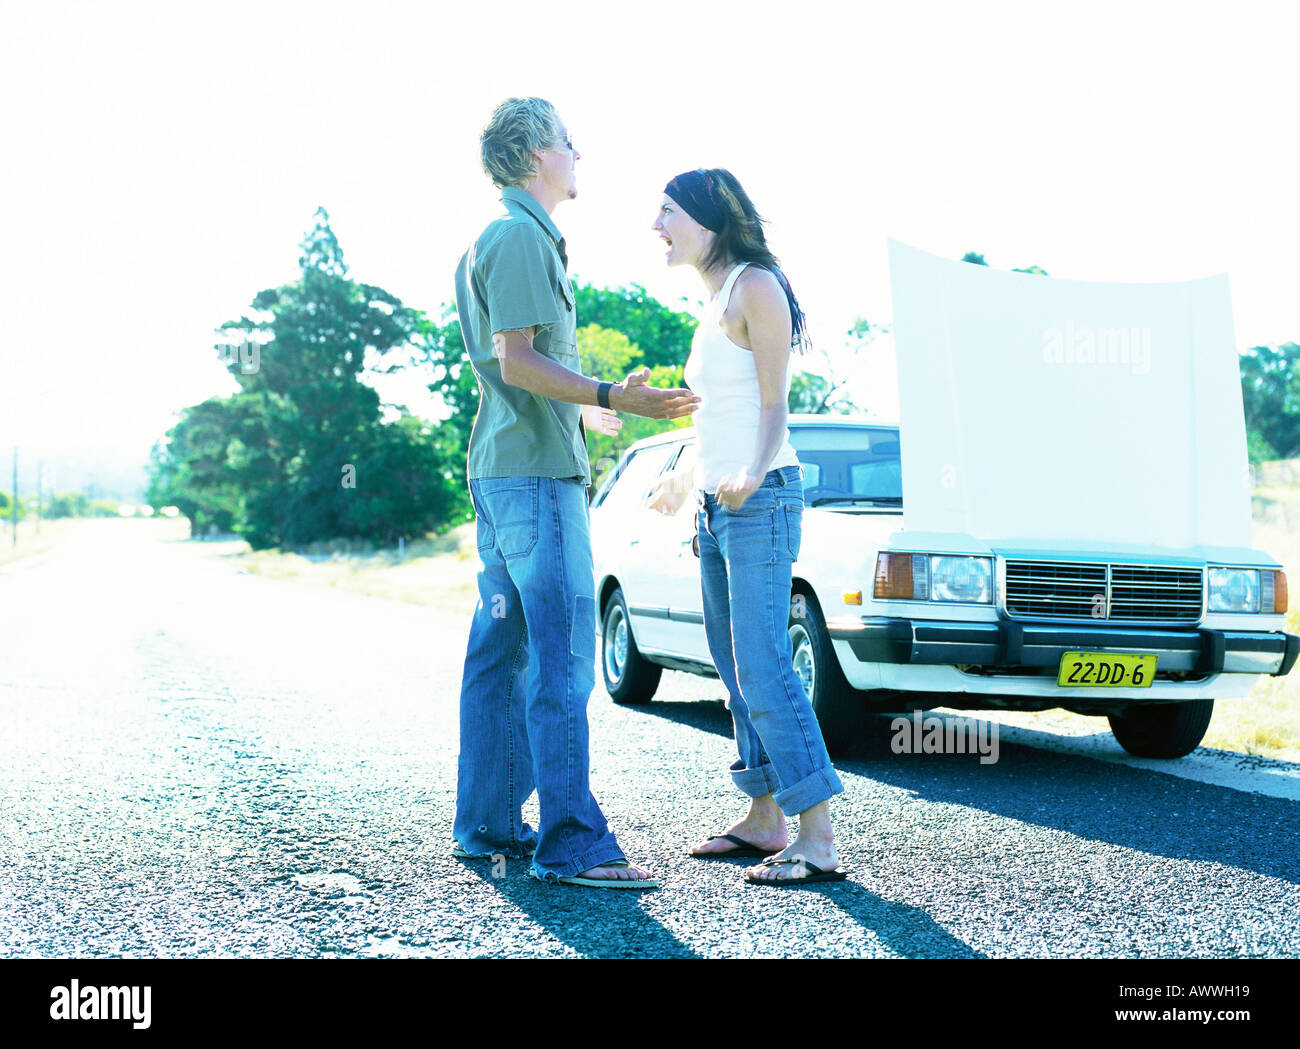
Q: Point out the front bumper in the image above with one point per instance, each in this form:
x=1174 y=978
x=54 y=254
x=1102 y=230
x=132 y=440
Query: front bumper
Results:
x=1009 y=643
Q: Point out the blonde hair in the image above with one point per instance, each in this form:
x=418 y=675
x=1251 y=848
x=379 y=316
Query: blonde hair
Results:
x=519 y=127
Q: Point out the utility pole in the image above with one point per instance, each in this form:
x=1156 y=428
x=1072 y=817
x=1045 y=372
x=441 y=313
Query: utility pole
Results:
x=15 y=508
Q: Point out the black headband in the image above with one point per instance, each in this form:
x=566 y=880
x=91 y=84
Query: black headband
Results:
x=697 y=193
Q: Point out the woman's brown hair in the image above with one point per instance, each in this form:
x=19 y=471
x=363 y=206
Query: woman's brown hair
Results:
x=741 y=239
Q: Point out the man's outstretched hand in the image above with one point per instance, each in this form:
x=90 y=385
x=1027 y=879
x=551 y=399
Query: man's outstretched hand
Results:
x=633 y=395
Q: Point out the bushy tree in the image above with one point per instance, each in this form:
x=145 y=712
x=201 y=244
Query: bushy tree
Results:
x=662 y=335
x=189 y=469
x=1270 y=394
x=301 y=452
x=441 y=349
x=68 y=504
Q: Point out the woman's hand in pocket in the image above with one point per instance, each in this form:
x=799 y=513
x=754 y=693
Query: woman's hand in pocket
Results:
x=733 y=491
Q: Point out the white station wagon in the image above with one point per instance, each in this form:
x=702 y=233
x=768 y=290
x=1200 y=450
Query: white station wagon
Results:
x=878 y=623
x=1072 y=528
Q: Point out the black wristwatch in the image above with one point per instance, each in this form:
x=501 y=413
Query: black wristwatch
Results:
x=602 y=394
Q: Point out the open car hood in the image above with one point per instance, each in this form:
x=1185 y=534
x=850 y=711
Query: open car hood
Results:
x=1038 y=410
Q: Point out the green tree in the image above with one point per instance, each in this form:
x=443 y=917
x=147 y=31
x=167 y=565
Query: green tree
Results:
x=821 y=386
x=1270 y=395
x=300 y=452
x=663 y=335
x=68 y=504
x=611 y=355
x=441 y=349
x=319 y=457
x=189 y=470
x=606 y=353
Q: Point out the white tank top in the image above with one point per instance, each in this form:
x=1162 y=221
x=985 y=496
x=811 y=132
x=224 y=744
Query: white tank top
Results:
x=726 y=378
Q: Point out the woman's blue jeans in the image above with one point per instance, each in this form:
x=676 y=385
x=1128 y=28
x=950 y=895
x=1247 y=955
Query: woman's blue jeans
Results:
x=529 y=672
x=745 y=574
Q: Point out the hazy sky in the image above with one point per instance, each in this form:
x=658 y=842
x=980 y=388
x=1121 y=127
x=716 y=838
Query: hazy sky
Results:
x=162 y=161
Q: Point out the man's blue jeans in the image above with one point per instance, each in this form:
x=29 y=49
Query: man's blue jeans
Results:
x=745 y=575
x=529 y=672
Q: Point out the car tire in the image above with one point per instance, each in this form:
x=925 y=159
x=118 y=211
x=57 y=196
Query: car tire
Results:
x=630 y=678
x=836 y=703
x=1164 y=730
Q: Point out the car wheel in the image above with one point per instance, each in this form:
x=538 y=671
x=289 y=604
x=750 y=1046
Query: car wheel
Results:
x=836 y=703
x=629 y=677
x=1164 y=730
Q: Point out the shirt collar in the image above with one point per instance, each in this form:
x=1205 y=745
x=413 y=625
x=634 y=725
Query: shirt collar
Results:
x=525 y=200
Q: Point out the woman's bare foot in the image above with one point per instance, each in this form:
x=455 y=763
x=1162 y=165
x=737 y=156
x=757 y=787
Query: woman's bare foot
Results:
x=802 y=853
x=763 y=826
x=814 y=845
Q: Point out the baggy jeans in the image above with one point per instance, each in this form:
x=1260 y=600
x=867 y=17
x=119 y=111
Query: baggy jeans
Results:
x=529 y=672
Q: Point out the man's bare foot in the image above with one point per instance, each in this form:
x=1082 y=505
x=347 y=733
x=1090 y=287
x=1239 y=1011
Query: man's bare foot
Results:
x=763 y=827
x=630 y=872
x=803 y=851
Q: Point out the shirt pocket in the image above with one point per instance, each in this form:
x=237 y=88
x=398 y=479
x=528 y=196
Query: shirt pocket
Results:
x=565 y=334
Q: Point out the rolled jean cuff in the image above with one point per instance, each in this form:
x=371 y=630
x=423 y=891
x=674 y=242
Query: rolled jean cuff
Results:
x=809 y=791
x=755 y=783
x=593 y=857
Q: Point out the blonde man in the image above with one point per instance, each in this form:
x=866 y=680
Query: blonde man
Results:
x=530 y=662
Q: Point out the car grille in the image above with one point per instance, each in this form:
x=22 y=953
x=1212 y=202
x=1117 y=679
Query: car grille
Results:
x=1114 y=593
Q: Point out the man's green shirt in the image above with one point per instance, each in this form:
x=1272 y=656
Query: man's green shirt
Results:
x=514 y=276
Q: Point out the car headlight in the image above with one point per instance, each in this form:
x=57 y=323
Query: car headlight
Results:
x=1247 y=590
x=934 y=577
x=961 y=579
x=1234 y=590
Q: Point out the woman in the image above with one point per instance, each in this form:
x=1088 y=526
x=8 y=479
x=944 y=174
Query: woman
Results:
x=749 y=520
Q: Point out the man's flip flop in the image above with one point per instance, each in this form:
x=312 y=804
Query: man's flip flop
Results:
x=602 y=883
x=815 y=874
x=743 y=848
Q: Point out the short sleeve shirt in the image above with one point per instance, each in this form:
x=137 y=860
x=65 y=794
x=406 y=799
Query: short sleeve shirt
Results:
x=514 y=276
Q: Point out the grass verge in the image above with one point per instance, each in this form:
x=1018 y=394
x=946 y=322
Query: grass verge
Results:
x=436 y=570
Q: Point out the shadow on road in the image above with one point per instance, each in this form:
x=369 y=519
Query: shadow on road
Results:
x=1148 y=811
x=597 y=923
x=908 y=932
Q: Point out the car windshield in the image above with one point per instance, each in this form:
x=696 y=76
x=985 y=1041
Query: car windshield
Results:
x=849 y=465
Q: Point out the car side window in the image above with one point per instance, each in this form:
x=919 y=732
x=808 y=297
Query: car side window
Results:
x=686 y=459
x=631 y=484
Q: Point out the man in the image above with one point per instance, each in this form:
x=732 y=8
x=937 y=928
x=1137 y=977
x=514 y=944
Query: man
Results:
x=530 y=663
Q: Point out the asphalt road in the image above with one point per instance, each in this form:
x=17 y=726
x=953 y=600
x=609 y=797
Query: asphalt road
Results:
x=200 y=762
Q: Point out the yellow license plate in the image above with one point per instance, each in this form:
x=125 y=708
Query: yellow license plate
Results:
x=1106 y=670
